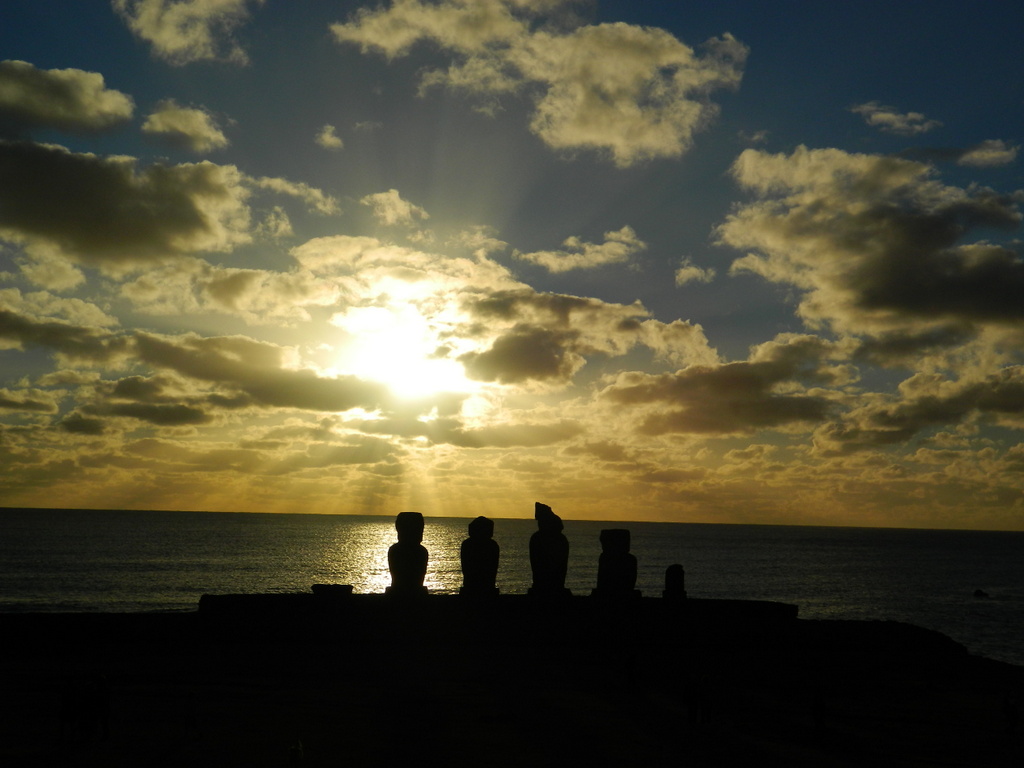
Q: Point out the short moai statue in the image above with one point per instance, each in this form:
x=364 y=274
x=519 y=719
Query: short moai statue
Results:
x=480 y=554
x=407 y=559
x=616 y=568
x=675 y=583
x=549 y=555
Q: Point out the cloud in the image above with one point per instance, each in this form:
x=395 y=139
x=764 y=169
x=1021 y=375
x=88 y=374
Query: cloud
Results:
x=66 y=99
x=451 y=430
x=525 y=353
x=70 y=341
x=257 y=371
x=689 y=273
x=359 y=450
x=733 y=398
x=890 y=120
x=545 y=338
x=328 y=138
x=66 y=208
x=989 y=153
x=617 y=248
x=183 y=31
x=900 y=346
x=876 y=245
x=482 y=240
x=476 y=313
x=275 y=225
x=635 y=93
x=515 y=435
x=105 y=212
x=314 y=198
x=77 y=424
x=259 y=297
x=42 y=305
x=31 y=400
x=156 y=400
x=926 y=401
x=390 y=209
x=194 y=129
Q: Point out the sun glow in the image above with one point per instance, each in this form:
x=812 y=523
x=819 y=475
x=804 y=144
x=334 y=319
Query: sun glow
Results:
x=398 y=347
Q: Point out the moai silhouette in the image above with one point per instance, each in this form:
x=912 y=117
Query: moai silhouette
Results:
x=616 y=568
x=407 y=559
x=675 y=583
x=549 y=554
x=480 y=554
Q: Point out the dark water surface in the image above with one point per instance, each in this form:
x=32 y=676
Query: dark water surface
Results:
x=124 y=561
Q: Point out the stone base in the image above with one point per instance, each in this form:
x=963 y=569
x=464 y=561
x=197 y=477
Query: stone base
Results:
x=562 y=593
x=406 y=592
x=332 y=591
x=617 y=596
x=486 y=592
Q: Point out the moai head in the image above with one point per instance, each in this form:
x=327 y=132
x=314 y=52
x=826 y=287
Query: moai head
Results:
x=675 y=581
x=410 y=527
x=615 y=541
x=547 y=520
x=481 y=528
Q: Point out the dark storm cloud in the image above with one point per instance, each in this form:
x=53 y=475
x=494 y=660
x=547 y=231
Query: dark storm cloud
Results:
x=66 y=99
x=104 y=211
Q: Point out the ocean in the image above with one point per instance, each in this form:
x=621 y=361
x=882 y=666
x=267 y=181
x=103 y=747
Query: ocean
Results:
x=129 y=561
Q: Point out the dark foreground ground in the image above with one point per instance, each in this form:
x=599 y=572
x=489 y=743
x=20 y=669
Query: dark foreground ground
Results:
x=366 y=681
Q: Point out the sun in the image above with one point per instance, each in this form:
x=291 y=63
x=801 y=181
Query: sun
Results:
x=397 y=346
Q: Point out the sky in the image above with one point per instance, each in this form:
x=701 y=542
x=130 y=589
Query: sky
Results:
x=736 y=262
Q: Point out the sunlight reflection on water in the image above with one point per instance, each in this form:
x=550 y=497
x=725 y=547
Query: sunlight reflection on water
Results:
x=358 y=555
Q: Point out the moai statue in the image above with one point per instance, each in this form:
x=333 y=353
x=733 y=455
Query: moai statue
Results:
x=616 y=568
x=480 y=560
x=549 y=554
x=407 y=559
x=675 y=583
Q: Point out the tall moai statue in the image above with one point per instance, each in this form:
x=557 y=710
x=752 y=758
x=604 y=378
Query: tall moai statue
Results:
x=616 y=567
x=549 y=554
x=675 y=583
x=407 y=559
x=479 y=555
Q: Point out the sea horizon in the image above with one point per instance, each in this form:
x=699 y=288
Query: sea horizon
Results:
x=392 y=515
